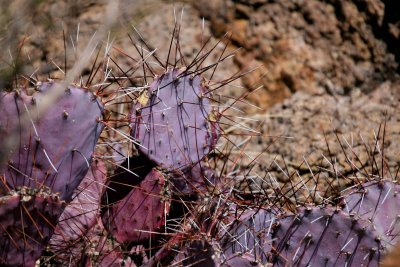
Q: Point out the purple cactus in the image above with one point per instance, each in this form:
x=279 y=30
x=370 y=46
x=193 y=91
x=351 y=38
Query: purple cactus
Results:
x=105 y=253
x=53 y=149
x=142 y=213
x=240 y=260
x=248 y=232
x=202 y=253
x=379 y=203
x=324 y=237
x=27 y=221
x=198 y=253
x=194 y=180
x=110 y=259
x=175 y=122
x=80 y=215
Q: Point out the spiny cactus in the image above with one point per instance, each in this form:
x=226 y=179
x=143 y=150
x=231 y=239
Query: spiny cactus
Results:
x=209 y=253
x=248 y=232
x=194 y=181
x=110 y=259
x=53 y=149
x=80 y=215
x=324 y=237
x=27 y=219
x=198 y=253
x=174 y=120
x=174 y=127
x=240 y=260
x=379 y=203
x=140 y=214
x=103 y=252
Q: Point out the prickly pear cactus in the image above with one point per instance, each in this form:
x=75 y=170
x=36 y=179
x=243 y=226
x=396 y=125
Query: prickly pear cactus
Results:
x=379 y=203
x=198 y=253
x=249 y=232
x=324 y=237
x=240 y=260
x=110 y=259
x=193 y=181
x=55 y=148
x=203 y=253
x=80 y=215
x=103 y=252
x=27 y=220
x=142 y=213
x=174 y=120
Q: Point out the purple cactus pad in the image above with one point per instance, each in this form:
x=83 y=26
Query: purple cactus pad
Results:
x=27 y=221
x=379 y=203
x=249 y=232
x=175 y=124
x=81 y=214
x=55 y=148
x=324 y=237
x=142 y=213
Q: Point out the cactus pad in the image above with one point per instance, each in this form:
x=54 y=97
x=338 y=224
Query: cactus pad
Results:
x=240 y=260
x=175 y=124
x=81 y=214
x=379 y=203
x=249 y=233
x=53 y=149
x=198 y=253
x=27 y=221
x=139 y=215
x=324 y=237
x=193 y=180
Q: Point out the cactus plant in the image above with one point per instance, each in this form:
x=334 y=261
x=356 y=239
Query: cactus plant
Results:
x=174 y=128
x=104 y=252
x=175 y=122
x=53 y=149
x=249 y=232
x=240 y=260
x=142 y=213
x=80 y=215
x=194 y=180
x=324 y=236
x=209 y=253
x=377 y=202
x=198 y=253
x=27 y=220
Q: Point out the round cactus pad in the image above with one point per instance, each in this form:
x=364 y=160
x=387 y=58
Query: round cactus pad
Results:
x=175 y=123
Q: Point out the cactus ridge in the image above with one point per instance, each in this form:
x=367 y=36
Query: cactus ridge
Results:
x=173 y=125
x=27 y=221
x=55 y=148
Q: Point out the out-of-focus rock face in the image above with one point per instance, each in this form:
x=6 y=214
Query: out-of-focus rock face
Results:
x=317 y=140
x=330 y=46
